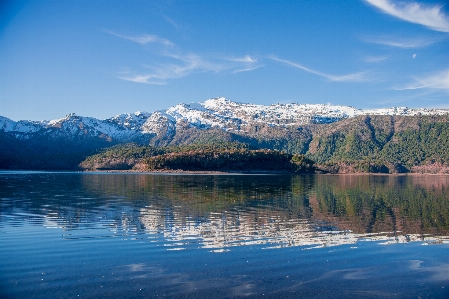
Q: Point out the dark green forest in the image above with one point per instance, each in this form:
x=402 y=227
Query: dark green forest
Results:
x=219 y=156
x=386 y=144
x=231 y=160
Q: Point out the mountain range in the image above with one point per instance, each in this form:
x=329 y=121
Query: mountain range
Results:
x=315 y=130
x=214 y=113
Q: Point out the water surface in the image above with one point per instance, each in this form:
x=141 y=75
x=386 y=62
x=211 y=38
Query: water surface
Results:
x=109 y=235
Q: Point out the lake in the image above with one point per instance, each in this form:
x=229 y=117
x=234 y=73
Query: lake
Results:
x=130 y=235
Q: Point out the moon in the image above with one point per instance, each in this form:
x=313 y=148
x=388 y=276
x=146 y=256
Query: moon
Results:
x=414 y=55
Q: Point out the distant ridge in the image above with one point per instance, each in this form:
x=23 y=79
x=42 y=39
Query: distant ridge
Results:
x=213 y=113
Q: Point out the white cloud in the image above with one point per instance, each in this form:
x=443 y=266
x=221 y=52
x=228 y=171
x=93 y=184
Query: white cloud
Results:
x=405 y=43
x=144 y=39
x=429 y=16
x=176 y=64
x=248 y=69
x=246 y=59
x=147 y=79
x=172 y=22
x=182 y=65
x=247 y=63
x=355 y=77
x=438 y=80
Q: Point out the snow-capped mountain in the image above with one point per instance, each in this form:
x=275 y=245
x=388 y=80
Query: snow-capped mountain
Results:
x=213 y=113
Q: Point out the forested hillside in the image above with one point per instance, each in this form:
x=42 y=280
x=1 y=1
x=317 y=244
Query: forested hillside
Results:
x=218 y=156
x=45 y=153
x=231 y=160
x=132 y=155
x=383 y=144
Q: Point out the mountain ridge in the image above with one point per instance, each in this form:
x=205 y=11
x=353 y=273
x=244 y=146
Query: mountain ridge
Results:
x=339 y=138
x=213 y=113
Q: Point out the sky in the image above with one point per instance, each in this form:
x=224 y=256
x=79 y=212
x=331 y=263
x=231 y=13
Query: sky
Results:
x=102 y=58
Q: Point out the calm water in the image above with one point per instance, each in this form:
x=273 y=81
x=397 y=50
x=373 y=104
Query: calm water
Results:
x=104 y=235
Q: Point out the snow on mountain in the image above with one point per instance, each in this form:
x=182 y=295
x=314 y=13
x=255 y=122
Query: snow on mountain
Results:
x=70 y=126
x=279 y=114
x=21 y=126
x=405 y=111
x=217 y=112
x=159 y=123
x=223 y=113
x=74 y=125
x=6 y=124
x=131 y=121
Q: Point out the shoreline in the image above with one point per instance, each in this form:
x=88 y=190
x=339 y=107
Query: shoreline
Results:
x=217 y=172
x=178 y=171
x=260 y=172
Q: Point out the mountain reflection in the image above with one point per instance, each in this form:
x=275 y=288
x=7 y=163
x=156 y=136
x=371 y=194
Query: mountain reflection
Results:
x=221 y=211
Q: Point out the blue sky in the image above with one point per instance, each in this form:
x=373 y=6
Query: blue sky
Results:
x=101 y=58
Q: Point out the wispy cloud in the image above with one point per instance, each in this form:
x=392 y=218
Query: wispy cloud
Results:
x=143 y=39
x=245 y=59
x=147 y=79
x=182 y=65
x=247 y=63
x=355 y=77
x=439 y=80
x=248 y=69
x=405 y=43
x=172 y=22
x=174 y=63
x=429 y=16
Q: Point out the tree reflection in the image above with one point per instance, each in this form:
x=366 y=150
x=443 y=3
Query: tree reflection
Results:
x=221 y=211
